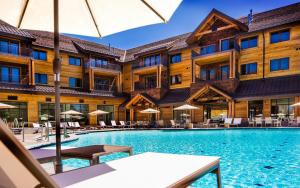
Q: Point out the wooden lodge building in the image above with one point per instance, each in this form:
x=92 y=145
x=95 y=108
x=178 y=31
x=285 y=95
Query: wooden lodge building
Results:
x=228 y=67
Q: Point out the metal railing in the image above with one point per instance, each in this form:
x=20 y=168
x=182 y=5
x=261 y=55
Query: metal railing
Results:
x=14 y=79
x=110 y=66
x=15 y=51
x=104 y=87
x=143 y=65
x=140 y=86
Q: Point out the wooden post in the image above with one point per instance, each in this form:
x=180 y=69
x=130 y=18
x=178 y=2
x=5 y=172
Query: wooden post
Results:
x=193 y=72
x=132 y=81
x=131 y=114
x=233 y=64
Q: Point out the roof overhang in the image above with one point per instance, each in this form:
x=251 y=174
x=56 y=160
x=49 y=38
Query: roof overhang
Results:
x=137 y=98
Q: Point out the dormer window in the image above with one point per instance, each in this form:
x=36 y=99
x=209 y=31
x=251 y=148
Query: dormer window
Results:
x=152 y=60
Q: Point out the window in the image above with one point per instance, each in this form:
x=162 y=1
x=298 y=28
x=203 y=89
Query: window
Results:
x=150 y=82
x=152 y=60
x=40 y=78
x=250 y=68
x=282 y=107
x=10 y=75
x=208 y=49
x=175 y=79
x=280 y=36
x=98 y=62
x=176 y=58
x=74 y=61
x=227 y=44
x=255 y=109
x=203 y=74
x=279 y=64
x=224 y=72
x=74 y=82
x=40 y=55
x=9 y=46
x=106 y=117
x=19 y=112
x=249 y=42
x=211 y=73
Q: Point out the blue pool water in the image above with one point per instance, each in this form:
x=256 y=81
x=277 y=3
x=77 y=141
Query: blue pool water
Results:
x=249 y=158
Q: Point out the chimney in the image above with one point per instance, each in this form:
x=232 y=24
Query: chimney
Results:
x=250 y=17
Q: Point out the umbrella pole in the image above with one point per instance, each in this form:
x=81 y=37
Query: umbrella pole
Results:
x=56 y=71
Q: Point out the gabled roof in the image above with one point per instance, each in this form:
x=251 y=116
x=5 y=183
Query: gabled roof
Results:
x=218 y=15
x=140 y=96
x=6 y=29
x=205 y=89
x=175 y=97
x=272 y=18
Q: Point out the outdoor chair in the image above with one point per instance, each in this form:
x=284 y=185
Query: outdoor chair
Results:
x=114 y=124
x=277 y=122
x=102 y=124
x=174 y=124
x=227 y=122
x=268 y=121
x=123 y=124
x=258 y=121
x=49 y=126
x=36 y=128
x=236 y=122
x=204 y=124
x=296 y=122
x=251 y=123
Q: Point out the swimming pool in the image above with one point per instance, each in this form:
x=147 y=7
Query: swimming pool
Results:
x=249 y=158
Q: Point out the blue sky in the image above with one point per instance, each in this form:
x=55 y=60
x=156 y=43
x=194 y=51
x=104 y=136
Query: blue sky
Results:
x=186 y=18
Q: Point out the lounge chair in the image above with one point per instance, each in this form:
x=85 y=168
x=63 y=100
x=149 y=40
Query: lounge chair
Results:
x=174 y=124
x=227 y=122
x=296 y=122
x=258 y=121
x=114 y=124
x=236 y=122
x=277 y=122
x=33 y=175
x=102 y=124
x=123 y=124
x=36 y=127
x=251 y=122
x=268 y=121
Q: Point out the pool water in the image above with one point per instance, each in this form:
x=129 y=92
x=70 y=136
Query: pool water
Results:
x=249 y=158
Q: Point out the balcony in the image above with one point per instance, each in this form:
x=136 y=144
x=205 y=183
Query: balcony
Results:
x=108 y=68
x=15 y=54
x=13 y=79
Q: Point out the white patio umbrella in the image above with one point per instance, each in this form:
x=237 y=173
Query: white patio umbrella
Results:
x=186 y=107
x=149 y=111
x=83 y=17
x=6 y=106
x=71 y=112
x=98 y=112
x=296 y=104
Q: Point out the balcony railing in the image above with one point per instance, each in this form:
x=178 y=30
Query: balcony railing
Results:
x=14 y=79
x=140 y=86
x=15 y=51
x=104 y=87
x=143 y=65
x=110 y=66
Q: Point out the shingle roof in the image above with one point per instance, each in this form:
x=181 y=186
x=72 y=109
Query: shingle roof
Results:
x=274 y=17
x=175 y=96
x=48 y=90
x=284 y=85
x=10 y=30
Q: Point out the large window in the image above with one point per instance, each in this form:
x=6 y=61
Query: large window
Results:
x=47 y=112
x=249 y=42
x=40 y=78
x=106 y=117
x=20 y=112
x=74 y=61
x=10 y=74
x=280 y=36
x=255 y=109
x=150 y=82
x=224 y=72
x=227 y=44
x=9 y=46
x=102 y=84
x=152 y=60
x=208 y=49
x=175 y=79
x=175 y=58
x=40 y=55
x=282 y=107
x=98 y=62
x=208 y=74
x=250 y=68
x=279 y=64
x=75 y=82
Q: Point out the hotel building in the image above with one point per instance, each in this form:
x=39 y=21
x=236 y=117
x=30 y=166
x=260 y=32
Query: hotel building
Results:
x=228 y=67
